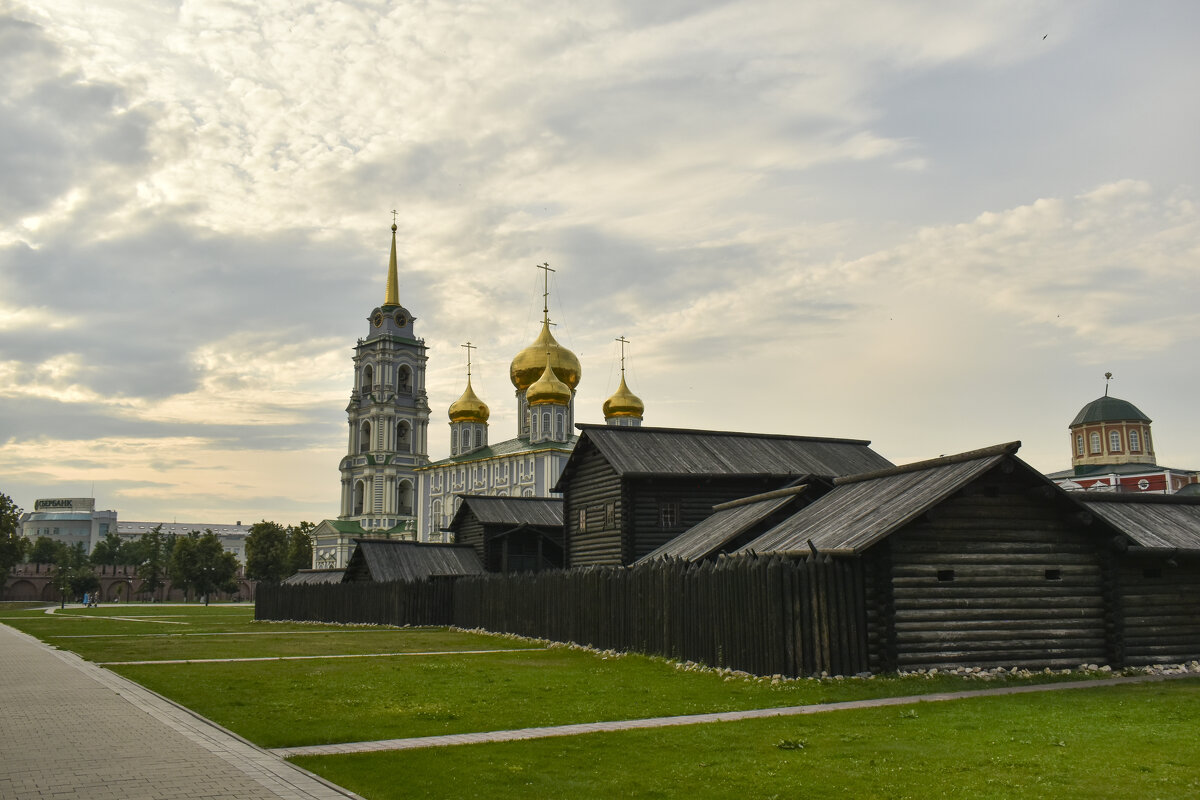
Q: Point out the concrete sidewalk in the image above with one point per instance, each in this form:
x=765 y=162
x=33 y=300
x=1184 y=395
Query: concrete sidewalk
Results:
x=71 y=729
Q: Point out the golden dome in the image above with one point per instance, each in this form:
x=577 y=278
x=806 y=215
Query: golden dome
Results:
x=527 y=367
x=548 y=388
x=469 y=408
x=623 y=403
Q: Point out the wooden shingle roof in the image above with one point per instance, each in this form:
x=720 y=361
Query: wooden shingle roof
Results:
x=644 y=451
x=311 y=576
x=861 y=510
x=385 y=560
x=1152 y=521
x=545 y=512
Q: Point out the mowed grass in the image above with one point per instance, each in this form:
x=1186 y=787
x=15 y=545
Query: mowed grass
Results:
x=324 y=701
x=1133 y=741
x=1138 y=741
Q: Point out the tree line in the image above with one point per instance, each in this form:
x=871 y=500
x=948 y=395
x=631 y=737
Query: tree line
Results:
x=196 y=562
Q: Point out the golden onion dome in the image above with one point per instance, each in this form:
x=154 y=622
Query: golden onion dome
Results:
x=548 y=388
x=623 y=403
x=469 y=408
x=527 y=367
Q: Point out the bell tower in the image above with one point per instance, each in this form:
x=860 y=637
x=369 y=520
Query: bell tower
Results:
x=388 y=418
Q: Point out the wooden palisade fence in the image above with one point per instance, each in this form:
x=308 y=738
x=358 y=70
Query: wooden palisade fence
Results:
x=764 y=615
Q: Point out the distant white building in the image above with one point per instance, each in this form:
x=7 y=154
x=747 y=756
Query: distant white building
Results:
x=75 y=520
x=70 y=520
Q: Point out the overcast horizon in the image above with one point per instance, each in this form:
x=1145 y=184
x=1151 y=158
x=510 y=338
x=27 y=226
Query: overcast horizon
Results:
x=933 y=226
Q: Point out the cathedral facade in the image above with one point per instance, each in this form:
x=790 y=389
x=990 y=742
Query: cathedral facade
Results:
x=389 y=487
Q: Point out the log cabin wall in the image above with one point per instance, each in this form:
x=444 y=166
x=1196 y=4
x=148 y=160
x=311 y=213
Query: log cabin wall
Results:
x=595 y=492
x=692 y=499
x=996 y=576
x=1159 y=610
x=471 y=532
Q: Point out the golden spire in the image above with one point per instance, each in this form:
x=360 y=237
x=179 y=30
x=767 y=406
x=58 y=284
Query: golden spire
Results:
x=468 y=407
x=623 y=403
x=392 y=295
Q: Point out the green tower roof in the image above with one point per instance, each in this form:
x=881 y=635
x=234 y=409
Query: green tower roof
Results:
x=1108 y=409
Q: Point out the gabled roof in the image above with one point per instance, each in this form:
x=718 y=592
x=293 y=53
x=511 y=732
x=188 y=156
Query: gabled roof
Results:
x=384 y=560
x=1154 y=521
x=310 y=576
x=644 y=451
x=728 y=522
x=861 y=510
x=506 y=448
x=511 y=511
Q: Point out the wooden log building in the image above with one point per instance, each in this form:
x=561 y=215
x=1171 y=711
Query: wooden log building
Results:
x=629 y=490
x=511 y=534
x=979 y=560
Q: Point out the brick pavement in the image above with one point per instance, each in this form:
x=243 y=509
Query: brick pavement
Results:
x=71 y=729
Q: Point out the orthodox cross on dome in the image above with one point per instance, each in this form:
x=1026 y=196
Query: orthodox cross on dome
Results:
x=1107 y=380
x=394 y=213
x=468 y=347
x=623 y=342
x=546 y=289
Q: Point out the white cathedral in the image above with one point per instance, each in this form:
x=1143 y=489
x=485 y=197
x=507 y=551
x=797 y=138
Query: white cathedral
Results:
x=390 y=488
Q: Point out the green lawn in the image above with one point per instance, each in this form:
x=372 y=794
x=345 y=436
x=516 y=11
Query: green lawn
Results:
x=1139 y=741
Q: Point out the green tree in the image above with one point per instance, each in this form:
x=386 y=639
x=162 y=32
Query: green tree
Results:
x=183 y=563
x=47 y=551
x=12 y=544
x=152 y=559
x=109 y=551
x=214 y=569
x=300 y=547
x=267 y=552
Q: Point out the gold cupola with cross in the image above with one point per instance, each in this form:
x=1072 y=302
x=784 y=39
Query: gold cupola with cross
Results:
x=529 y=368
x=468 y=417
x=624 y=407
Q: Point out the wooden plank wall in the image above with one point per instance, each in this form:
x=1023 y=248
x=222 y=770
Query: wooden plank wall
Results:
x=765 y=615
x=1160 y=610
x=592 y=486
x=1021 y=586
x=696 y=498
x=471 y=532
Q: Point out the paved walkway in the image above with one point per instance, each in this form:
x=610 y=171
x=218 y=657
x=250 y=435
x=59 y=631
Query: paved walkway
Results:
x=694 y=719
x=71 y=729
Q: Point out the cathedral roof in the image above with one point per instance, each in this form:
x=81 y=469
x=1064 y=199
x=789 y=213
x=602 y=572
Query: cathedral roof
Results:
x=391 y=296
x=468 y=407
x=623 y=403
x=511 y=447
x=529 y=364
x=548 y=389
x=1108 y=409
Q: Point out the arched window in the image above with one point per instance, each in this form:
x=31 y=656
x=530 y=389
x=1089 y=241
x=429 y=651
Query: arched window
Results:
x=533 y=420
x=364 y=437
x=1094 y=442
x=404 y=380
x=1135 y=442
x=545 y=423
x=1114 y=441
x=360 y=491
x=368 y=378
x=559 y=425
x=404 y=498
x=479 y=437
x=1079 y=444
x=403 y=444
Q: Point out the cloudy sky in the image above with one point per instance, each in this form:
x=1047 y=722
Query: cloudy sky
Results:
x=932 y=225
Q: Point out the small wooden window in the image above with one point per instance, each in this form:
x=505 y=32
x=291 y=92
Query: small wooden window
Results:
x=583 y=520
x=1054 y=574
x=945 y=575
x=668 y=515
x=610 y=515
